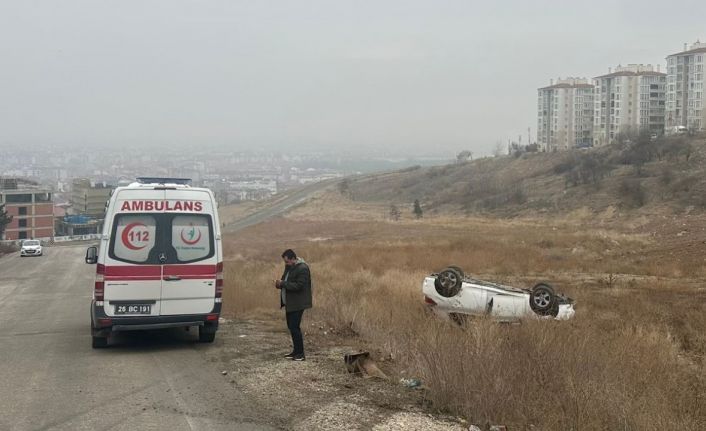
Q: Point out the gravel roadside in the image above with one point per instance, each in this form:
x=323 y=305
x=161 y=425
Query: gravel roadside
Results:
x=318 y=394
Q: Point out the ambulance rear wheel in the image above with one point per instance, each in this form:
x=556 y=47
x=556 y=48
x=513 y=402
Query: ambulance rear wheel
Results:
x=99 y=342
x=206 y=335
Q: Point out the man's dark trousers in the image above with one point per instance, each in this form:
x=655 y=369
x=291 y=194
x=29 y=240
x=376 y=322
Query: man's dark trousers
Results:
x=294 y=320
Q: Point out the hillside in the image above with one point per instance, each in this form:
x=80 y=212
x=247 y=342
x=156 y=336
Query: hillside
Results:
x=638 y=174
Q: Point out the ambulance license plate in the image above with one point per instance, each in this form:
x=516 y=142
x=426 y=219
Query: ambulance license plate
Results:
x=133 y=309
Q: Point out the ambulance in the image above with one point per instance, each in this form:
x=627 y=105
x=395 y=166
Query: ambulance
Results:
x=160 y=260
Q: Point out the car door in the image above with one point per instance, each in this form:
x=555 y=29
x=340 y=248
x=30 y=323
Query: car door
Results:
x=189 y=275
x=133 y=271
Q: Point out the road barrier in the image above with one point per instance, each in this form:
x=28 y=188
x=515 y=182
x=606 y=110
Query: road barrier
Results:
x=56 y=239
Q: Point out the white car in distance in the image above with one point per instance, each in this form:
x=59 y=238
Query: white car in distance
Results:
x=453 y=294
x=31 y=247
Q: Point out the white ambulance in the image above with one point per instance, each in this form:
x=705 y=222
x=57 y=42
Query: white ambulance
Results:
x=159 y=262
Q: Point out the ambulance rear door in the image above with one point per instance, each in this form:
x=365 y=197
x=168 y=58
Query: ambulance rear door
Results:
x=133 y=270
x=189 y=273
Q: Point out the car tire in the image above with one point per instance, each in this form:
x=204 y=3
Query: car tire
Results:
x=206 y=335
x=543 y=300
x=458 y=269
x=99 y=342
x=448 y=282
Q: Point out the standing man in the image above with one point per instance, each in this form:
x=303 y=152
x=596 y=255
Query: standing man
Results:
x=295 y=297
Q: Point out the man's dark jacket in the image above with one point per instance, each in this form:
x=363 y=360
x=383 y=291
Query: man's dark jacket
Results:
x=297 y=287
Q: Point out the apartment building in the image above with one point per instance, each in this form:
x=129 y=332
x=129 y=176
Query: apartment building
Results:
x=630 y=99
x=88 y=198
x=31 y=208
x=565 y=115
x=686 y=95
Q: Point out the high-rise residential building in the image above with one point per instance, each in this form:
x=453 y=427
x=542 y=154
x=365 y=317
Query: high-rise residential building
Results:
x=630 y=99
x=686 y=95
x=565 y=115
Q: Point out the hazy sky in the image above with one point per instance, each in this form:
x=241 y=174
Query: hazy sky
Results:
x=409 y=75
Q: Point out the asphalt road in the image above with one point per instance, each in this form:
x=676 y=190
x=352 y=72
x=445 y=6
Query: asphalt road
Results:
x=51 y=378
x=280 y=206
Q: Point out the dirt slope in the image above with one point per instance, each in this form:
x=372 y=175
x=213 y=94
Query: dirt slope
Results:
x=644 y=175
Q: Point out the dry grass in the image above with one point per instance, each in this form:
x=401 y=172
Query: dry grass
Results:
x=632 y=359
x=234 y=212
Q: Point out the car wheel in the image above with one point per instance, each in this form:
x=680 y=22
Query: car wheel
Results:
x=458 y=269
x=542 y=299
x=448 y=282
x=206 y=335
x=99 y=342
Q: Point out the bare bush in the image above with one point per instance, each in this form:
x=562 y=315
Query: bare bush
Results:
x=609 y=281
x=667 y=176
x=685 y=185
x=564 y=166
x=632 y=192
x=585 y=169
x=639 y=150
x=464 y=156
x=677 y=148
x=344 y=188
x=410 y=169
x=395 y=213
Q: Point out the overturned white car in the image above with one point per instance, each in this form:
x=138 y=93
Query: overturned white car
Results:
x=452 y=293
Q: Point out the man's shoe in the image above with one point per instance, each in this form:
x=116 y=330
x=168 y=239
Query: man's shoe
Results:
x=289 y=356
x=299 y=358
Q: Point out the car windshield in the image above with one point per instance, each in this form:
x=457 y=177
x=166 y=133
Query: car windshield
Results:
x=31 y=243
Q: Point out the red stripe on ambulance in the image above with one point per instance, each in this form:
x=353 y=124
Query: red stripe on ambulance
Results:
x=155 y=272
x=197 y=271
x=133 y=271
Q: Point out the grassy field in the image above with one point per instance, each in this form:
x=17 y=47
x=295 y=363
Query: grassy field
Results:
x=632 y=359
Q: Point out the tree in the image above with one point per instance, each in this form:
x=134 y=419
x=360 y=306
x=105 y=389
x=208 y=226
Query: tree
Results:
x=5 y=219
x=464 y=156
x=499 y=149
x=674 y=148
x=417 y=209
x=344 y=187
x=394 y=212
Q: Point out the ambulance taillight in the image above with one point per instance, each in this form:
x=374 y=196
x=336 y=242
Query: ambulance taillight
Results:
x=99 y=286
x=219 y=280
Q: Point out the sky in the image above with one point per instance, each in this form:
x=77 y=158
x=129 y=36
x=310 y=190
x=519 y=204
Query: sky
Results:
x=412 y=77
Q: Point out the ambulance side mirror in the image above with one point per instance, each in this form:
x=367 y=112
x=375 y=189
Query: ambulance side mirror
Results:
x=92 y=255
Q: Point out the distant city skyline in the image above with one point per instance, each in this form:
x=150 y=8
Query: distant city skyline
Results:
x=414 y=77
